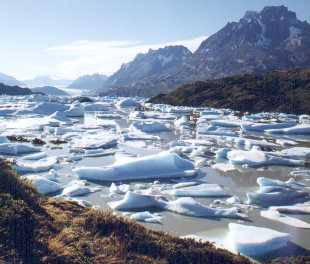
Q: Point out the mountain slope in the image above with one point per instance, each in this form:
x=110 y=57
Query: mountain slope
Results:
x=89 y=82
x=146 y=74
x=41 y=81
x=49 y=90
x=261 y=41
x=9 y=80
x=280 y=91
x=13 y=90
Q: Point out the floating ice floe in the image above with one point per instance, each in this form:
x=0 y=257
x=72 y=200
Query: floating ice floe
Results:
x=256 y=157
x=119 y=189
x=190 y=207
x=302 y=129
x=43 y=185
x=303 y=208
x=75 y=110
x=276 y=192
x=133 y=201
x=273 y=214
x=223 y=167
x=162 y=165
x=29 y=166
x=127 y=103
x=147 y=217
x=4 y=139
x=14 y=149
x=226 y=123
x=77 y=188
x=46 y=108
x=253 y=240
x=201 y=190
x=301 y=153
x=262 y=127
x=148 y=127
x=61 y=117
x=97 y=141
x=95 y=107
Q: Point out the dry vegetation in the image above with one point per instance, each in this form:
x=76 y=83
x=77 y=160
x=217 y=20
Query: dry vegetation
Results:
x=35 y=229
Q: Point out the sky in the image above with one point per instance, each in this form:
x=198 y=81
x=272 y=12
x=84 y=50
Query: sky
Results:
x=70 y=38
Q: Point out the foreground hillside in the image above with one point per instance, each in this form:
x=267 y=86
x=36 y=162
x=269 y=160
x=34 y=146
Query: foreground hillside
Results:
x=35 y=229
x=277 y=91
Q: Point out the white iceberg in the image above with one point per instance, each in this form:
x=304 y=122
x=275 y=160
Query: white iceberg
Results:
x=75 y=110
x=190 y=207
x=14 y=149
x=201 y=190
x=43 y=185
x=76 y=188
x=162 y=165
x=253 y=240
x=127 y=103
x=302 y=129
x=147 y=217
x=282 y=218
x=30 y=166
x=133 y=201
x=119 y=189
x=148 y=127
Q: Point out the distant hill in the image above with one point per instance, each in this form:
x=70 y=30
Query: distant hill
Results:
x=146 y=74
x=272 y=39
x=13 y=90
x=41 y=81
x=9 y=80
x=89 y=82
x=50 y=90
x=277 y=91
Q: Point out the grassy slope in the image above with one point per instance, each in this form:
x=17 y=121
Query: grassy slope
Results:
x=281 y=91
x=34 y=229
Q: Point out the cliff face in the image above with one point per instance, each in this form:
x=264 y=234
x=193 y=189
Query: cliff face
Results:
x=277 y=91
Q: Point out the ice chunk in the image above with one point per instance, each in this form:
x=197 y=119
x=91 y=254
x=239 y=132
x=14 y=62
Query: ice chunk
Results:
x=148 y=127
x=75 y=110
x=303 y=208
x=29 y=166
x=302 y=153
x=146 y=216
x=98 y=141
x=119 y=189
x=15 y=149
x=188 y=206
x=76 y=188
x=48 y=108
x=127 y=103
x=96 y=107
x=133 y=201
x=43 y=185
x=4 y=139
x=61 y=117
x=261 y=127
x=253 y=240
x=162 y=165
x=288 y=220
x=223 y=167
x=302 y=129
x=201 y=190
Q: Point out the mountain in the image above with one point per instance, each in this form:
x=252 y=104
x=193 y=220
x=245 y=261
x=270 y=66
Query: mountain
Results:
x=13 y=90
x=277 y=91
x=49 y=90
x=146 y=74
x=259 y=42
x=89 y=82
x=44 y=80
x=9 y=80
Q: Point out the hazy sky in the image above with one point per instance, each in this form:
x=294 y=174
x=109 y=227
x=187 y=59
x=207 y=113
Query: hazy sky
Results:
x=69 y=38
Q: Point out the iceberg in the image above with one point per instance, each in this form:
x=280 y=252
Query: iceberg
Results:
x=262 y=127
x=41 y=165
x=14 y=149
x=133 y=201
x=127 y=103
x=253 y=240
x=302 y=129
x=303 y=208
x=76 y=188
x=148 y=127
x=288 y=220
x=190 y=207
x=147 y=217
x=75 y=110
x=99 y=141
x=201 y=190
x=162 y=165
x=43 y=185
